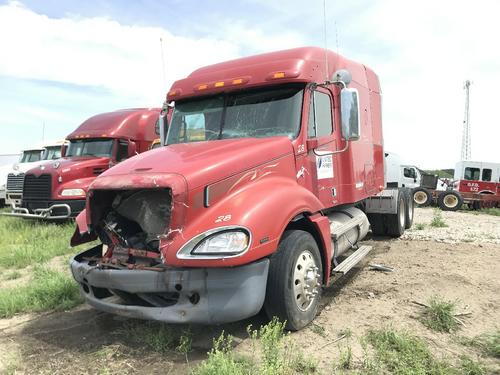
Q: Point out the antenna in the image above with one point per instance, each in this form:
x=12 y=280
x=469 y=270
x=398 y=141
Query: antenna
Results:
x=466 y=136
x=326 y=43
x=163 y=65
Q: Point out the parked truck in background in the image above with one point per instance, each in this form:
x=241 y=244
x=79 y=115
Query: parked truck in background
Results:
x=57 y=190
x=28 y=158
x=272 y=167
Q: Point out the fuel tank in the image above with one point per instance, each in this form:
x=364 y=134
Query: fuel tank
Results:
x=347 y=227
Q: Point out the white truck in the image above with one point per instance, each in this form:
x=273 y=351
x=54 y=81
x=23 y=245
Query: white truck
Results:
x=13 y=186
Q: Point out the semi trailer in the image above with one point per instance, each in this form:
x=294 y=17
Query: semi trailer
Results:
x=271 y=174
x=57 y=190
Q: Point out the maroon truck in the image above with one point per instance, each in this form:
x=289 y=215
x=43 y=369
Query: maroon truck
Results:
x=57 y=190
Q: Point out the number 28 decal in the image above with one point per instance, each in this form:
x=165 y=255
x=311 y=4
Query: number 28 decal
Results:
x=223 y=218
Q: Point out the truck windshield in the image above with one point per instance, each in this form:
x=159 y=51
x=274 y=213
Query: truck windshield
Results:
x=52 y=153
x=31 y=156
x=90 y=147
x=250 y=114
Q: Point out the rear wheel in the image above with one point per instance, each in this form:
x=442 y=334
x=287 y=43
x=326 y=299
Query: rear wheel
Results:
x=294 y=281
x=450 y=200
x=377 y=224
x=396 y=222
x=422 y=197
x=409 y=210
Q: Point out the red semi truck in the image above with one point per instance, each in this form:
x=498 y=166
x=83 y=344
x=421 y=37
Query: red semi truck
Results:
x=272 y=169
x=57 y=190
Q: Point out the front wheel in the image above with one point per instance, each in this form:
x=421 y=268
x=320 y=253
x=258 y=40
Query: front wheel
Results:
x=294 y=281
x=422 y=197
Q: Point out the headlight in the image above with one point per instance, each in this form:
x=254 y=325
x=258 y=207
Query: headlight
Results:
x=217 y=243
x=73 y=193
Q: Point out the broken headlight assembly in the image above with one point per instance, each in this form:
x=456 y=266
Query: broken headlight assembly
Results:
x=221 y=242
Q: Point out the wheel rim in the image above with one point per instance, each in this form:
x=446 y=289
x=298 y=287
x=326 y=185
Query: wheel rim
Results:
x=402 y=213
x=420 y=197
x=450 y=201
x=306 y=280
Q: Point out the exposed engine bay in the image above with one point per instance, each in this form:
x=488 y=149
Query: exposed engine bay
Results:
x=129 y=223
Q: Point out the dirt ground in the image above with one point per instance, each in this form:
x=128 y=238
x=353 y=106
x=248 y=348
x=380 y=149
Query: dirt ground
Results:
x=460 y=262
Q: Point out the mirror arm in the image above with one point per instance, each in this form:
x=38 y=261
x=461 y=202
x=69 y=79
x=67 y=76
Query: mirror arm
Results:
x=325 y=153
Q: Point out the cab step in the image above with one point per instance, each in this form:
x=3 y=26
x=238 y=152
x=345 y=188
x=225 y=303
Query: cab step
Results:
x=353 y=259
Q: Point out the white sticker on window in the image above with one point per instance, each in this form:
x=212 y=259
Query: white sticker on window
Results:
x=324 y=166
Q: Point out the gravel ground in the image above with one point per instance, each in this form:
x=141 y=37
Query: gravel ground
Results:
x=461 y=226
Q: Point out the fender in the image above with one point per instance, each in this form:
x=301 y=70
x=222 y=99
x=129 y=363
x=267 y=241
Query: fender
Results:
x=82 y=234
x=265 y=207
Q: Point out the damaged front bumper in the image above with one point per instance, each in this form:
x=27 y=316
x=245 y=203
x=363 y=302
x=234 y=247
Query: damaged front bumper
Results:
x=175 y=295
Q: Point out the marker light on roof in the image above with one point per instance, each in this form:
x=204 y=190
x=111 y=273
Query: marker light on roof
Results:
x=278 y=75
x=202 y=87
x=219 y=84
x=237 y=81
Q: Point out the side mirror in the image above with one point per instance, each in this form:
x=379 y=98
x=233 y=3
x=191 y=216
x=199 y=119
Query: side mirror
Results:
x=64 y=149
x=132 y=149
x=349 y=114
x=163 y=121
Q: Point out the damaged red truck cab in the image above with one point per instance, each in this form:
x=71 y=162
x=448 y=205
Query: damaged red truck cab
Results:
x=57 y=190
x=268 y=180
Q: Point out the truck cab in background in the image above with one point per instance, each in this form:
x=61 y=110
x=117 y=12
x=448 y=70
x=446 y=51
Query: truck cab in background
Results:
x=478 y=183
x=57 y=190
x=29 y=158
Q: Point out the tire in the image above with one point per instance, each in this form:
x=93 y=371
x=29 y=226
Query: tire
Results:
x=377 y=224
x=296 y=264
x=409 y=209
x=396 y=222
x=450 y=200
x=422 y=197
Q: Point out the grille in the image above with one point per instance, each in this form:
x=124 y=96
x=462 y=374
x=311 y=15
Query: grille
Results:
x=98 y=171
x=37 y=187
x=15 y=182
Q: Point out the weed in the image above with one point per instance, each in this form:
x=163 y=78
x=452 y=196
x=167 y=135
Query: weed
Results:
x=471 y=367
x=345 y=359
x=185 y=342
x=158 y=337
x=319 y=330
x=437 y=220
x=488 y=343
x=419 y=226
x=221 y=360
x=47 y=290
x=439 y=316
x=304 y=365
x=400 y=353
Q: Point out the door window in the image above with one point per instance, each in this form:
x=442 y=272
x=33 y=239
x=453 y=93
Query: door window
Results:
x=320 y=115
x=471 y=174
x=486 y=174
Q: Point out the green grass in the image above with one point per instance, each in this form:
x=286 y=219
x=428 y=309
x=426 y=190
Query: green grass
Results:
x=47 y=290
x=13 y=275
x=24 y=243
x=400 y=353
x=471 y=367
x=439 y=316
x=419 y=226
x=437 y=220
x=273 y=353
x=490 y=211
x=488 y=343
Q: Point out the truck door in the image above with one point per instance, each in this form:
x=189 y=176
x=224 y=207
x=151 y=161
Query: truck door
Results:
x=409 y=178
x=322 y=142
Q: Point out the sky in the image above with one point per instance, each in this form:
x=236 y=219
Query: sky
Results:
x=62 y=62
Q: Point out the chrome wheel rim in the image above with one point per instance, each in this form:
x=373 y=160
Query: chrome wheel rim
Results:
x=306 y=280
x=402 y=213
x=450 y=201
x=420 y=197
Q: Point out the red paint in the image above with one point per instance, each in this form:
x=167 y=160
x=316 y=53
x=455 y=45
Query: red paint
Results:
x=261 y=184
x=78 y=172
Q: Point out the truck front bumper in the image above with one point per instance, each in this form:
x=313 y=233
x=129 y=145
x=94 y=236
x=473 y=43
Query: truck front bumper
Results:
x=47 y=210
x=175 y=295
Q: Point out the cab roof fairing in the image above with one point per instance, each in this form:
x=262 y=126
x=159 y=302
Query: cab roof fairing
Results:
x=305 y=64
x=125 y=123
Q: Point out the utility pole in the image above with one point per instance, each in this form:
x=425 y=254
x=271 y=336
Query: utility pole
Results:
x=466 y=136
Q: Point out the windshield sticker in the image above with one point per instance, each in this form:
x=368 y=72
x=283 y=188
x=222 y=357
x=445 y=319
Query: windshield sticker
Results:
x=324 y=166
